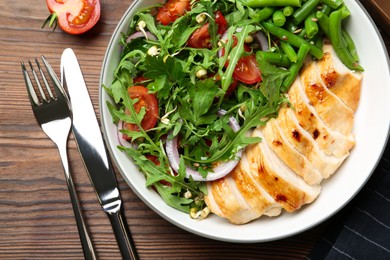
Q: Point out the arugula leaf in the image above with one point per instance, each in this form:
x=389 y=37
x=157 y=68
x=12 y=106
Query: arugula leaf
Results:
x=156 y=66
x=272 y=79
x=201 y=96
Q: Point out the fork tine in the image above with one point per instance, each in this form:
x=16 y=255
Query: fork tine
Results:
x=30 y=88
x=37 y=81
x=57 y=85
x=44 y=79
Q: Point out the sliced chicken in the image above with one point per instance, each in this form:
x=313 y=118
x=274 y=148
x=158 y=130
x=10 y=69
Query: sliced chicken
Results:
x=339 y=79
x=239 y=198
x=330 y=141
x=329 y=107
x=305 y=144
x=279 y=180
x=280 y=145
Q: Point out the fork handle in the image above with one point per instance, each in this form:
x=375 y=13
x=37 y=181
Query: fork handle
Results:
x=86 y=242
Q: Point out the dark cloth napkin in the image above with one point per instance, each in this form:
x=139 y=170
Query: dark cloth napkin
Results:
x=362 y=229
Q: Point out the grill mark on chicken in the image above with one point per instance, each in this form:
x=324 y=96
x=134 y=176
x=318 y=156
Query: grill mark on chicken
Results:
x=277 y=143
x=316 y=133
x=296 y=135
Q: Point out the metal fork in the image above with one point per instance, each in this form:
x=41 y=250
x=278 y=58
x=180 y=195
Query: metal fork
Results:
x=55 y=118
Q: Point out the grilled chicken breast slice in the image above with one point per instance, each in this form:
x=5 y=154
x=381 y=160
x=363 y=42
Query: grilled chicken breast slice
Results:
x=280 y=145
x=286 y=187
x=330 y=141
x=223 y=199
x=339 y=79
x=329 y=107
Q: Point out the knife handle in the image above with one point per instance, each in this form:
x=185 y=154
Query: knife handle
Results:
x=122 y=235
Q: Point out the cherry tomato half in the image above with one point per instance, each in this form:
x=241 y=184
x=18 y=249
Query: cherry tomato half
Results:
x=146 y=100
x=171 y=10
x=246 y=69
x=201 y=37
x=75 y=16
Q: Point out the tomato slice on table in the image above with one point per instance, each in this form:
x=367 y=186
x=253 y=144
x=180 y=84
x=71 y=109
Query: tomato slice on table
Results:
x=74 y=16
x=171 y=10
x=146 y=100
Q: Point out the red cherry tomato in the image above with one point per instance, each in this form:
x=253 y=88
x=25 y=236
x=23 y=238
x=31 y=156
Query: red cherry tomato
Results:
x=171 y=10
x=74 y=16
x=221 y=22
x=146 y=100
x=201 y=37
x=246 y=69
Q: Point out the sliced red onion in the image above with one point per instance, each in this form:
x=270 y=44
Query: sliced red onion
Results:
x=262 y=39
x=218 y=172
x=148 y=35
x=122 y=140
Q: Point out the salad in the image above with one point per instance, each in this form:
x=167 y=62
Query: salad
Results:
x=196 y=76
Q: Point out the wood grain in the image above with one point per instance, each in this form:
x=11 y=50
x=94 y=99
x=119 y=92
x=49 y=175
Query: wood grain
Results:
x=380 y=11
x=36 y=218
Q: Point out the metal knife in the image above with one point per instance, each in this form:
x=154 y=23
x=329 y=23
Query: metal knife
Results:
x=93 y=151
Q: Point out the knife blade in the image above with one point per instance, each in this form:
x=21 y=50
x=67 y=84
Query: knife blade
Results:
x=90 y=143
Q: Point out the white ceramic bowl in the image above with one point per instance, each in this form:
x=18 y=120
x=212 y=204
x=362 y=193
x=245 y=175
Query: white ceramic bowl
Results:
x=371 y=130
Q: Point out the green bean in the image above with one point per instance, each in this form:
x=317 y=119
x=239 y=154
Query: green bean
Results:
x=288 y=11
x=304 y=11
x=291 y=27
x=334 y=4
x=292 y=39
x=311 y=26
x=350 y=45
x=295 y=67
x=289 y=51
x=302 y=33
x=263 y=3
x=263 y=14
x=339 y=45
x=275 y=58
x=319 y=41
x=323 y=22
x=344 y=12
x=325 y=9
x=278 y=18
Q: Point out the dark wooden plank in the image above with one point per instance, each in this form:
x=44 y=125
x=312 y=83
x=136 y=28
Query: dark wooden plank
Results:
x=380 y=11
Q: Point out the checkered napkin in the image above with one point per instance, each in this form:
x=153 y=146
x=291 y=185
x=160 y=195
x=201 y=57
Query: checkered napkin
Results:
x=361 y=230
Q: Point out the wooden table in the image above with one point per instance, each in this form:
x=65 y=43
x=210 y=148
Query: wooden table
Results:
x=36 y=218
